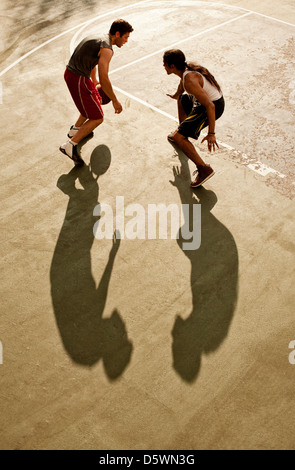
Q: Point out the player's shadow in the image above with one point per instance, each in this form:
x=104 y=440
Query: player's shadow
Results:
x=214 y=282
x=78 y=302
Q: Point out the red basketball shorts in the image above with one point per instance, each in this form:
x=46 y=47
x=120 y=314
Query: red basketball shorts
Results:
x=85 y=95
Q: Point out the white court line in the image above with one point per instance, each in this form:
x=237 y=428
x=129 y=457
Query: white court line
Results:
x=181 y=41
x=257 y=166
x=73 y=41
x=3 y=72
x=252 y=11
x=145 y=103
x=85 y=23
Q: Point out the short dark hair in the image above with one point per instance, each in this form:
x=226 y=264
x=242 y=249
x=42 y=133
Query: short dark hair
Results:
x=120 y=26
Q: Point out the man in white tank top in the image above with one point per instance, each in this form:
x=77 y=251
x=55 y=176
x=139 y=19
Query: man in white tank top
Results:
x=199 y=107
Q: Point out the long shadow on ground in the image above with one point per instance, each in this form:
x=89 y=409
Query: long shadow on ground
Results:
x=78 y=303
x=214 y=282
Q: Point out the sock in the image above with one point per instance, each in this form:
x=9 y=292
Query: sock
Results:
x=73 y=143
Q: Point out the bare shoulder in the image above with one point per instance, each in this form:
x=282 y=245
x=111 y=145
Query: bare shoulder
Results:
x=106 y=53
x=193 y=78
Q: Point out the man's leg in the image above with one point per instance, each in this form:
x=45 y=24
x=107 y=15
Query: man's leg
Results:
x=81 y=120
x=85 y=129
x=181 y=112
x=70 y=148
x=204 y=171
x=188 y=148
x=184 y=107
x=74 y=129
x=89 y=105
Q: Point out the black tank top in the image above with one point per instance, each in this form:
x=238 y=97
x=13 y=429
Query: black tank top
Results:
x=85 y=56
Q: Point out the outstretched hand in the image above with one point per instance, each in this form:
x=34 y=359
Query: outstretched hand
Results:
x=211 y=141
x=174 y=97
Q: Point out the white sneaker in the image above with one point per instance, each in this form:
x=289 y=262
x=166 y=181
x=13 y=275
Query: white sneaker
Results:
x=73 y=131
x=71 y=151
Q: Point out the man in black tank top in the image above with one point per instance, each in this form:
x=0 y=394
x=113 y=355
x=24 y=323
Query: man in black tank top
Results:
x=86 y=55
x=92 y=55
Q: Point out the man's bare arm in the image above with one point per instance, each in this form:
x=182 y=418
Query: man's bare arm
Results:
x=103 y=73
x=178 y=93
x=94 y=77
x=193 y=87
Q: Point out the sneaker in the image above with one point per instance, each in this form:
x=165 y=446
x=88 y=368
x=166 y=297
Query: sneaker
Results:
x=204 y=173
x=71 y=151
x=73 y=131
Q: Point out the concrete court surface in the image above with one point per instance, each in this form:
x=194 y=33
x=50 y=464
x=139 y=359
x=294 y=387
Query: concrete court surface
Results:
x=139 y=344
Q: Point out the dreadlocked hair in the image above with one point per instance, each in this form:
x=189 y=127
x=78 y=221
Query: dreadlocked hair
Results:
x=205 y=72
x=176 y=57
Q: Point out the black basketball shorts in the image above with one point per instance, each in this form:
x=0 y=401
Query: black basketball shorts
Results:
x=197 y=118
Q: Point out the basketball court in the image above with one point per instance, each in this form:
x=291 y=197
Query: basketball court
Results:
x=138 y=344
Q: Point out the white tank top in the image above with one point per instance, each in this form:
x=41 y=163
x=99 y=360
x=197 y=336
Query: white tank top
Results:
x=211 y=90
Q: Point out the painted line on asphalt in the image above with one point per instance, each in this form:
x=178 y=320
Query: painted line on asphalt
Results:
x=3 y=72
x=171 y=46
x=85 y=23
x=257 y=166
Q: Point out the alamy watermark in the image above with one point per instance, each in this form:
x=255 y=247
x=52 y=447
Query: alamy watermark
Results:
x=157 y=221
x=1 y=353
x=292 y=354
x=292 y=94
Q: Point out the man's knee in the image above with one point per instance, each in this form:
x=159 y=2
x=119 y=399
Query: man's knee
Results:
x=97 y=122
x=178 y=138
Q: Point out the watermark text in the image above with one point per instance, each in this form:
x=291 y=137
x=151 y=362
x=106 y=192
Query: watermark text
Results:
x=1 y=353
x=157 y=221
x=292 y=94
x=292 y=354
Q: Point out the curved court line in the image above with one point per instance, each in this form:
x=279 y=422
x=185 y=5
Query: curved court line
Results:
x=252 y=11
x=233 y=7
x=145 y=103
x=180 y=42
x=257 y=166
x=3 y=72
x=85 y=23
